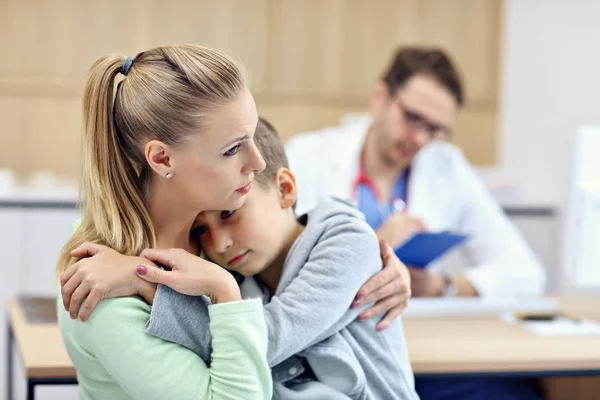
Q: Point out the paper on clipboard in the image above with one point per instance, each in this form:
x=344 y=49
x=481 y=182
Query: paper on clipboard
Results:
x=424 y=248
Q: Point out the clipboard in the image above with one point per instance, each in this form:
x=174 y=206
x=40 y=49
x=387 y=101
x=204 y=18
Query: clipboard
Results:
x=424 y=248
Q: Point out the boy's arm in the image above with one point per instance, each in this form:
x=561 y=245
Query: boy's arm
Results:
x=316 y=303
x=181 y=319
x=149 y=368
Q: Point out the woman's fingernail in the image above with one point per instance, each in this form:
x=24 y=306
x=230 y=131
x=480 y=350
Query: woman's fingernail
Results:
x=355 y=303
x=360 y=295
x=141 y=269
x=380 y=327
x=362 y=316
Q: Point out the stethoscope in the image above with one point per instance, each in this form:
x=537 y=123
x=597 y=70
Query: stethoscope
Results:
x=384 y=210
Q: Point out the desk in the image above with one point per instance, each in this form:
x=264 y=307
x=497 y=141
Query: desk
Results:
x=492 y=347
x=41 y=348
x=466 y=347
x=441 y=347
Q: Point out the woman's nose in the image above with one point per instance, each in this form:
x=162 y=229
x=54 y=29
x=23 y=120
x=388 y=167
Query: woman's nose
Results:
x=255 y=162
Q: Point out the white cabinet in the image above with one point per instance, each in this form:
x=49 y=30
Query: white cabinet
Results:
x=541 y=231
x=10 y=239
x=45 y=231
x=30 y=240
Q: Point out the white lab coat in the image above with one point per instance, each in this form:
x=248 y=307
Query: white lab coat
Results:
x=443 y=191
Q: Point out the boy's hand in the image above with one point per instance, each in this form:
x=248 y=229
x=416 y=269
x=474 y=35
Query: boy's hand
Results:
x=390 y=288
x=101 y=273
x=190 y=275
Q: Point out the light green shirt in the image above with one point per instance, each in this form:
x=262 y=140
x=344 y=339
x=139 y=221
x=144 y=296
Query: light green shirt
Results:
x=116 y=359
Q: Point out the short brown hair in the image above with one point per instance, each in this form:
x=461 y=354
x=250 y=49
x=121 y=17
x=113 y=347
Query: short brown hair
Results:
x=410 y=61
x=271 y=148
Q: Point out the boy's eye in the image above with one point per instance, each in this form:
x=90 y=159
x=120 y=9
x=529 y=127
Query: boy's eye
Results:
x=227 y=214
x=232 y=151
x=199 y=230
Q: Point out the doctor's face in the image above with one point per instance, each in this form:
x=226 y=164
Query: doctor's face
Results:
x=405 y=121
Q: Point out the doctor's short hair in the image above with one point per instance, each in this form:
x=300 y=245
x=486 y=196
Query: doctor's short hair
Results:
x=435 y=63
x=269 y=144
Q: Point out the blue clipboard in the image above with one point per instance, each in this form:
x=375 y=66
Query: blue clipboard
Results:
x=424 y=248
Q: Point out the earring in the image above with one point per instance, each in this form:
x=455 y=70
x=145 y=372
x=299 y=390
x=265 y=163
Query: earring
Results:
x=169 y=175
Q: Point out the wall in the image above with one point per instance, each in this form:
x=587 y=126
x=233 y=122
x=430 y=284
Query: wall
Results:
x=549 y=86
x=311 y=61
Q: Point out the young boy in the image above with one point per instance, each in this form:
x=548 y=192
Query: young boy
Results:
x=307 y=271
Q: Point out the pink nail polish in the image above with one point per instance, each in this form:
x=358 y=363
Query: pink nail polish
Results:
x=142 y=270
x=362 y=317
x=355 y=303
x=360 y=295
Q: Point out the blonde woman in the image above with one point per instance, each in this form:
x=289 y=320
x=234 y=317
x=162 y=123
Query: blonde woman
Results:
x=174 y=139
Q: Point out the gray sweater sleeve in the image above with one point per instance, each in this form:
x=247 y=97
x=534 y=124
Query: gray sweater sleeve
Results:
x=316 y=303
x=313 y=306
x=181 y=319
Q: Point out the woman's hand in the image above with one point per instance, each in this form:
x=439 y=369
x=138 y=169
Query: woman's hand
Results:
x=101 y=273
x=390 y=288
x=190 y=275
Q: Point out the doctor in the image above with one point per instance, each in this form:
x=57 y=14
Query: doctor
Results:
x=406 y=178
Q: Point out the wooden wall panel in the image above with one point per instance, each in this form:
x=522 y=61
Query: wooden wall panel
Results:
x=238 y=27
x=100 y=28
x=14 y=117
x=470 y=31
x=333 y=47
x=53 y=138
x=310 y=61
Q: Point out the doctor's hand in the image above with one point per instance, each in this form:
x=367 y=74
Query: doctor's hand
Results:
x=426 y=283
x=398 y=228
x=390 y=288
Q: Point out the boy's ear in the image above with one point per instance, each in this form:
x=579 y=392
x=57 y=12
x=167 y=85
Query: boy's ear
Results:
x=286 y=186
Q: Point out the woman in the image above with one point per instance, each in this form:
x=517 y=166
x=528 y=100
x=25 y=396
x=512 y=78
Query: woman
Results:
x=174 y=140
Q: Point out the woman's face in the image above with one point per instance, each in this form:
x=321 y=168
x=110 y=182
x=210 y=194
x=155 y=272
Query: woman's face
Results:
x=214 y=169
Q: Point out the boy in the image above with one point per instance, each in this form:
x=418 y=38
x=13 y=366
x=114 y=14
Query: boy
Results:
x=307 y=270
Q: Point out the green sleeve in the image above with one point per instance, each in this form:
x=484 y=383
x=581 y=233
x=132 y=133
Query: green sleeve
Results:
x=149 y=368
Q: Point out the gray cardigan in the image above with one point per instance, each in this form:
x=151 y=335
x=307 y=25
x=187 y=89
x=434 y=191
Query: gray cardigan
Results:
x=309 y=319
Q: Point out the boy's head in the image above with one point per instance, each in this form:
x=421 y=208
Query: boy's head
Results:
x=250 y=239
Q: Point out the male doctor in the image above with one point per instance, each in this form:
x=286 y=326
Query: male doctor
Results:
x=405 y=178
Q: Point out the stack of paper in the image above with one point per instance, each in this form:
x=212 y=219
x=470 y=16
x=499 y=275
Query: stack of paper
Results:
x=477 y=307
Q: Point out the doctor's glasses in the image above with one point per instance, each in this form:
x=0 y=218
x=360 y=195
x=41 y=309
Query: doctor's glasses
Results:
x=417 y=123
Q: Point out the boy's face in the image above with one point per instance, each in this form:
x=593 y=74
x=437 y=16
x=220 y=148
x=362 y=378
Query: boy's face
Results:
x=249 y=239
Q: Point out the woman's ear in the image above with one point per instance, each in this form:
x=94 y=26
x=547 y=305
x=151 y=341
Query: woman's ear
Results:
x=286 y=186
x=157 y=155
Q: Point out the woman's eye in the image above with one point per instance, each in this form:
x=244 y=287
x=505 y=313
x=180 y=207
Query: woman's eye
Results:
x=227 y=214
x=232 y=151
